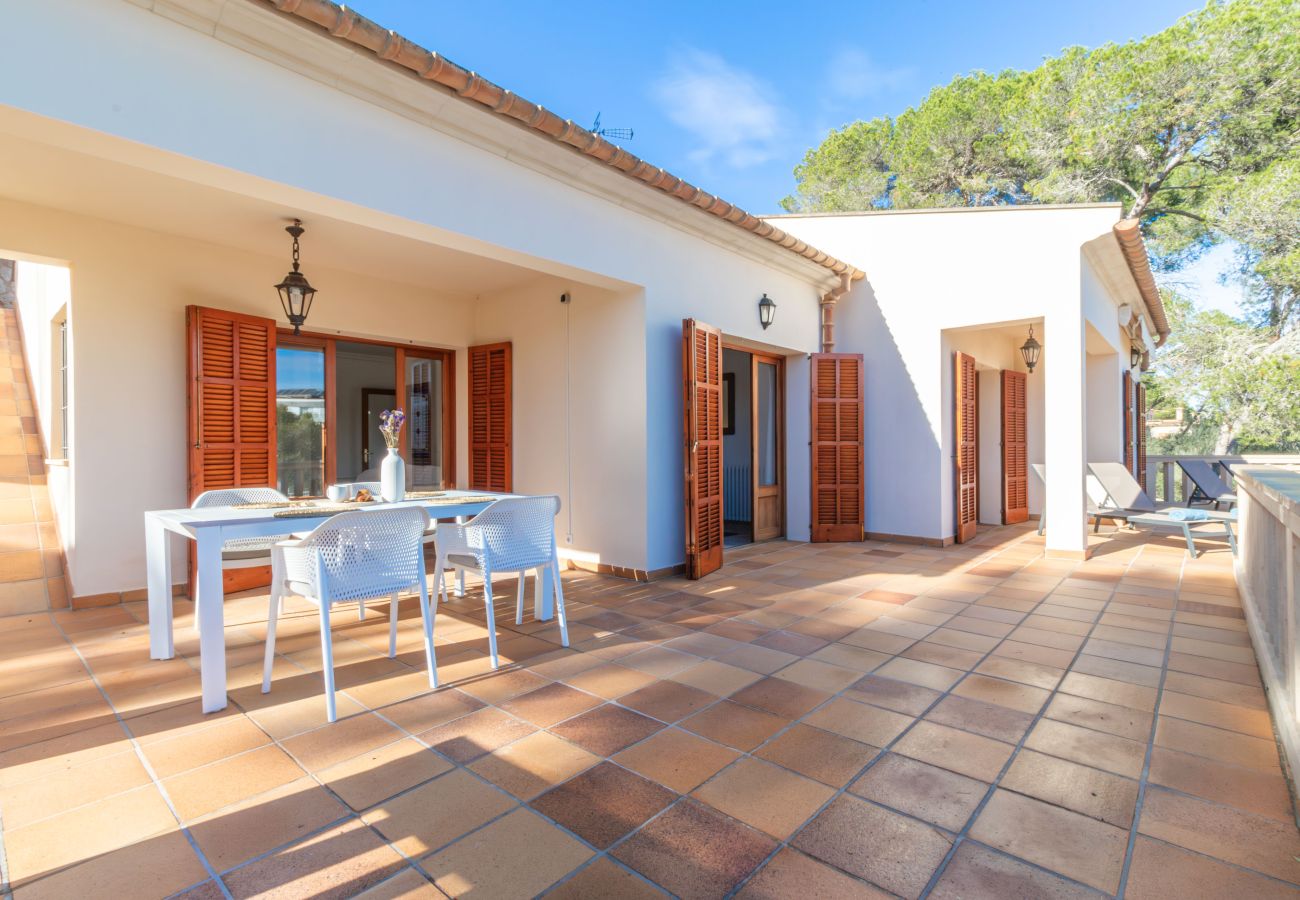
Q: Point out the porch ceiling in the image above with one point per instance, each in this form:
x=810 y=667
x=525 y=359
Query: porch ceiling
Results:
x=51 y=176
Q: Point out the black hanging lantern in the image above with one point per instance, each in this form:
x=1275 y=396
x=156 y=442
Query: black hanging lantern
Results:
x=766 y=311
x=1134 y=356
x=1031 y=350
x=295 y=291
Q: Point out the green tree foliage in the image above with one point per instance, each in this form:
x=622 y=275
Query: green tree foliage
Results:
x=1195 y=130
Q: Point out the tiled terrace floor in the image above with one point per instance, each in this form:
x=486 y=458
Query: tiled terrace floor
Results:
x=823 y=721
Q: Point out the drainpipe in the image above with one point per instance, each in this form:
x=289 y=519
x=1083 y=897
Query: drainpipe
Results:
x=828 y=311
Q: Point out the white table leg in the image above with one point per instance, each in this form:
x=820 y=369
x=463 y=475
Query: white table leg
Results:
x=543 y=596
x=158 y=563
x=212 y=628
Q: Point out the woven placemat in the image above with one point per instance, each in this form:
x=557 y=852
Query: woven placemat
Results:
x=275 y=504
x=299 y=512
x=424 y=495
x=450 y=501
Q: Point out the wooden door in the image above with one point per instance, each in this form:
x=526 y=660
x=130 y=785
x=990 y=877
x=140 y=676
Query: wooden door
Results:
x=966 y=438
x=230 y=371
x=838 y=477
x=767 y=395
x=1141 y=428
x=1126 y=403
x=490 y=418
x=1015 y=451
x=702 y=443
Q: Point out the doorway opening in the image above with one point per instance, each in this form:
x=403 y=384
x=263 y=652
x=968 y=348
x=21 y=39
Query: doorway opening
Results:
x=753 y=446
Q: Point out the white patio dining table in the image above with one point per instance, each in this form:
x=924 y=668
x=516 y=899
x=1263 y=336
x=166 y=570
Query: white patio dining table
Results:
x=211 y=527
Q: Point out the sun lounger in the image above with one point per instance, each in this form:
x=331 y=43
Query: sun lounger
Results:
x=1123 y=490
x=1095 y=513
x=1209 y=486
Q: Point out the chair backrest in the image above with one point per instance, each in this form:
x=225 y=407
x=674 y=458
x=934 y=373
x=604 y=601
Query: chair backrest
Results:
x=514 y=533
x=1205 y=478
x=231 y=496
x=367 y=553
x=1122 y=489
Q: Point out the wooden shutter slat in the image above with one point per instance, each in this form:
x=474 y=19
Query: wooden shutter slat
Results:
x=1015 y=449
x=965 y=437
x=838 y=476
x=1142 y=434
x=491 y=417
x=702 y=446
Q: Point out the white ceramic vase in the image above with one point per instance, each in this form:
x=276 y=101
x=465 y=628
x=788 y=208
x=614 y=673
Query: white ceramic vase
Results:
x=392 y=477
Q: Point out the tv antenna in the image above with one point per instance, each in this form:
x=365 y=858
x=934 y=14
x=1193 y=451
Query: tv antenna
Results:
x=613 y=134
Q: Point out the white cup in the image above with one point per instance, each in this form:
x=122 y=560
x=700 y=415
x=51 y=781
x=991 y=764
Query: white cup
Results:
x=337 y=492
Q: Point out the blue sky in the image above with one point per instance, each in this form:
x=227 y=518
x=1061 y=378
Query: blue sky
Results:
x=731 y=95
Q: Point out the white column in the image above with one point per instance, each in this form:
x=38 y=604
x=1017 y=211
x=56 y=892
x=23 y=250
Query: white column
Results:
x=1064 y=374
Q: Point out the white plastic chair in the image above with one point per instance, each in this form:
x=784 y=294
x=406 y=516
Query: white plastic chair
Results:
x=357 y=556
x=515 y=534
x=241 y=553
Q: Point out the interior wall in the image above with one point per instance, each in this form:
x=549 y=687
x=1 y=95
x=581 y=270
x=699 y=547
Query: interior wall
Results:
x=579 y=419
x=355 y=371
x=1104 y=434
x=129 y=290
x=738 y=448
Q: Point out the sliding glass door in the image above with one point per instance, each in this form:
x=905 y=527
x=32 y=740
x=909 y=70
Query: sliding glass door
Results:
x=300 y=419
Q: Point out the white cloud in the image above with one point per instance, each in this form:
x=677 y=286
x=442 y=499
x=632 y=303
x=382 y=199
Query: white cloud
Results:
x=729 y=112
x=851 y=75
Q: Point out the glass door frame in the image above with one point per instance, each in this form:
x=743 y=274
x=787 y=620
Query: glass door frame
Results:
x=758 y=358
x=329 y=342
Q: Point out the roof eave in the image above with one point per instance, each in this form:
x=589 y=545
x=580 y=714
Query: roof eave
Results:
x=1128 y=235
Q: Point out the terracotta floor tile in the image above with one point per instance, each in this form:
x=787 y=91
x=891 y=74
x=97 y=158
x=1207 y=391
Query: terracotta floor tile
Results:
x=607 y=729
x=407 y=884
x=1034 y=653
x=958 y=751
x=532 y=764
x=604 y=879
x=820 y=676
x=1263 y=793
x=156 y=867
x=431 y=710
x=437 y=813
x=939 y=678
x=1110 y=691
x=379 y=774
x=883 y=847
x=547 y=706
x=792 y=874
x=201 y=791
x=86 y=832
x=977 y=872
x=763 y=660
x=717 y=678
x=1029 y=673
x=1057 y=839
x=1093 y=748
x=1092 y=792
x=338 y=863
x=780 y=697
x=1159 y=870
x=58 y=792
x=238 y=833
x=1225 y=746
x=1242 y=838
x=667 y=701
x=899 y=696
x=333 y=743
x=859 y=721
x=469 y=737
x=604 y=803
x=1011 y=694
x=857 y=659
x=201 y=746
x=1254 y=722
x=1117 y=720
x=502 y=684
x=1117 y=670
x=519 y=855
x=936 y=795
x=609 y=680
x=767 y=797
x=988 y=719
x=826 y=757
x=676 y=758
x=695 y=851
x=735 y=725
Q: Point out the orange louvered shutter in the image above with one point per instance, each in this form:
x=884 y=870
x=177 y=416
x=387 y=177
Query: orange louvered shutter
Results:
x=1015 y=451
x=838 y=478
x=490 y=418
x=231 y=400
x=965 y=437
x=702 y=439
x=1141 y=403
x=1127 y=405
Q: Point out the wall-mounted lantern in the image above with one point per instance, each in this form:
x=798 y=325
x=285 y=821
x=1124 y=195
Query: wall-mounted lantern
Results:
x=766 y=311
x=295 y=291
x=1134 y=356
x=1031 y=350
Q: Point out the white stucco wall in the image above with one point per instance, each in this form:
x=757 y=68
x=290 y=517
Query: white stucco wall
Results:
x=931 y=274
